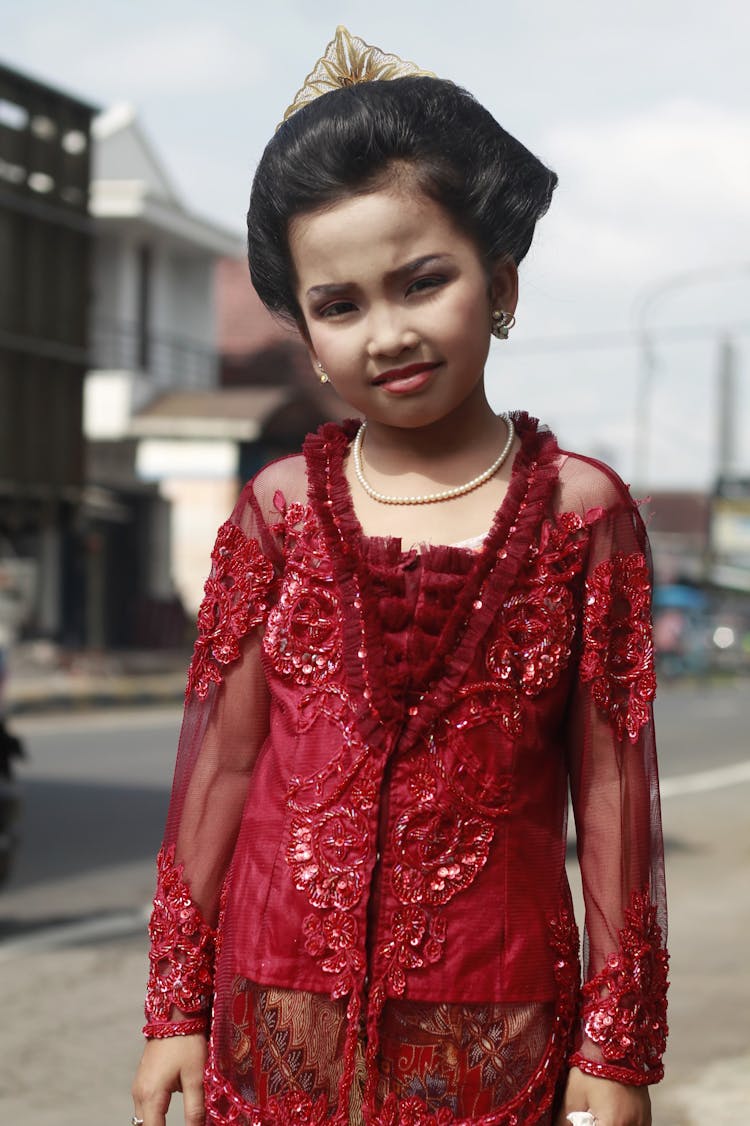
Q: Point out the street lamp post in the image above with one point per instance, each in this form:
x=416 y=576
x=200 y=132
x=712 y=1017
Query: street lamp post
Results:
x=647 y=352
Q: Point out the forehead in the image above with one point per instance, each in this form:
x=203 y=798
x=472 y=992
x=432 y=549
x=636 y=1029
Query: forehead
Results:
x=374 y=232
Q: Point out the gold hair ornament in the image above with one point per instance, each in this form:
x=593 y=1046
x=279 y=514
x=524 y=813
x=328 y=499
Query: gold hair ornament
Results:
x=348 y=60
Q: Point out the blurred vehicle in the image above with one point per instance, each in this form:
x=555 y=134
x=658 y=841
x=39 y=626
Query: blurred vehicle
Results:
x=11 y=748
x=17 y=588
x=729 y=635
x=681 y=629
x=698 y=632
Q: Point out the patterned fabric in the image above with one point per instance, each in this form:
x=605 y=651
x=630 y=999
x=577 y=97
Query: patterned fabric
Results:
x=284 y=1039
x=387 y=780
x=438 y=1052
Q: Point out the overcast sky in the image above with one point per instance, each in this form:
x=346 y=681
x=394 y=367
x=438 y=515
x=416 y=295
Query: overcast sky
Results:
x=643 y=109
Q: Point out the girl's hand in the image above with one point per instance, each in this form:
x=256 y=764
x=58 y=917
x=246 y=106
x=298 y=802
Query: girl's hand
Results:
x=612 y=1104
x=173 y=1064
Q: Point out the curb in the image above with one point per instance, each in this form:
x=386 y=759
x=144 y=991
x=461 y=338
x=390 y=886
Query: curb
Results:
x=88 y=692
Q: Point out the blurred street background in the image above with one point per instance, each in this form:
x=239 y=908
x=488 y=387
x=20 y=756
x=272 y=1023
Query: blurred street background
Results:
x=141 y=383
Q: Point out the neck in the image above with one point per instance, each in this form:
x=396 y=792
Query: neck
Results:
x=468 y=433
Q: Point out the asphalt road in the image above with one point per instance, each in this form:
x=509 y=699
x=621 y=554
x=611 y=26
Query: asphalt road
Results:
x=72 y=947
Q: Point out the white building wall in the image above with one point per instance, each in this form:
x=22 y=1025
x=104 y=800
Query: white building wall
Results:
x=114 y=299
x=181 y=315
x=200 y=480
x=192 y=295
x=121 y=152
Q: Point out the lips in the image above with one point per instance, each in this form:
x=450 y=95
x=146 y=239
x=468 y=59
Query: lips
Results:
x=395 y=375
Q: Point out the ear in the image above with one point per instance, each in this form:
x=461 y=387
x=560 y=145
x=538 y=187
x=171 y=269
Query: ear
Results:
x=302 y=327
x=504 y=285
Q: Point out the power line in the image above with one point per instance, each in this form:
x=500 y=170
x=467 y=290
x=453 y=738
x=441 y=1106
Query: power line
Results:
x=626 y=338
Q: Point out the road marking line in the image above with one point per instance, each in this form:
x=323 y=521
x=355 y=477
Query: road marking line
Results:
x=121 y=925
x=703 y=780
x=121 y=719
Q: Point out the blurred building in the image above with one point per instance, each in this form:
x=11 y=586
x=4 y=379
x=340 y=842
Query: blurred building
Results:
x=193 y=387
x=202 y=444
x=46 y=237
x=678 y=523
x=730 y=534
x=153 y=334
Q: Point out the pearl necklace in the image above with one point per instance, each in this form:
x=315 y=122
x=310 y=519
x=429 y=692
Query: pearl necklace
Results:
x=430 y=498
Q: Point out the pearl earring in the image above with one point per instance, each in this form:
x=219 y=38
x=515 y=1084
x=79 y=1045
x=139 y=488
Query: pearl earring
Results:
x=502 y=323
x=323 y=377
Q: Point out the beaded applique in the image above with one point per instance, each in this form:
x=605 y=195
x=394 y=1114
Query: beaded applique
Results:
x=236 y=599
x=618 y=651
x=537 y=622
x=625 y=1004
x=303 y=634
x=181 y=955
x=329 y=846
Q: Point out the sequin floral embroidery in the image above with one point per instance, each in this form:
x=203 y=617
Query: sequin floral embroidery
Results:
x=182 y=950
x=618 y=651
x=303 y=635
x=236 y=599
x=625 y=1004
x=537 y=623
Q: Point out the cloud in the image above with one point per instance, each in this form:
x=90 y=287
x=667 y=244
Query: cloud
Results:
x=199 y=55
x=651 y=193
x=196 y=57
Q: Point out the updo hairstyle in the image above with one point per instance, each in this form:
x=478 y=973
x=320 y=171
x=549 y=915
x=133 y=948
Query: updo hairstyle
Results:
x=366 y=136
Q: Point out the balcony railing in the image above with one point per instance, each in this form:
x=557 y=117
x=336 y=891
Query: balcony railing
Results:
x=167 y=360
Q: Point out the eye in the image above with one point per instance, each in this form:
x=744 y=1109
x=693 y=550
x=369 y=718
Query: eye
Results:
x=420 y=285
x=336 y=309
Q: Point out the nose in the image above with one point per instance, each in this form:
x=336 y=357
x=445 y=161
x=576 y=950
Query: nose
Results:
x=389 y=334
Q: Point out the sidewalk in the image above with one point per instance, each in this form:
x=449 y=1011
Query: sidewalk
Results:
x=43 y=678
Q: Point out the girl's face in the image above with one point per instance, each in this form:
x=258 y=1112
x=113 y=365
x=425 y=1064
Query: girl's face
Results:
x=397 y=304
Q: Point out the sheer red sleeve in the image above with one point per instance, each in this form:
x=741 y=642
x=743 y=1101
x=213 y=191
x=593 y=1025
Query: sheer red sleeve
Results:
x=614 y=789
x=224 y=724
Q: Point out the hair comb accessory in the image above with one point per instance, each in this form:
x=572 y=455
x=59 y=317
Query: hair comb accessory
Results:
x=348 y=60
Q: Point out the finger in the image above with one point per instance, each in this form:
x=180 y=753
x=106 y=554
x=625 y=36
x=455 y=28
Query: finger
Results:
x=153 y=1117
x=153 y=1110
x=193 y=1104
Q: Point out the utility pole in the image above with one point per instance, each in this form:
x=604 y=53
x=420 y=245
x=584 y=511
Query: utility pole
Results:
x=647 y=338
x=726 y=436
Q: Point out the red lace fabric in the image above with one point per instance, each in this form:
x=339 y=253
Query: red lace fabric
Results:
x=374 y=766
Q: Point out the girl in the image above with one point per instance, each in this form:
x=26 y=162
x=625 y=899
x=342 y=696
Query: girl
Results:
x=416 y=636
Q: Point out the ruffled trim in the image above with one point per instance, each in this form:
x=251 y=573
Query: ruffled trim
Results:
x=486 y=576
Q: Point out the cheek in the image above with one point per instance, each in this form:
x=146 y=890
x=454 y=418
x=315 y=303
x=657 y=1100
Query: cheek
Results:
x=467 y=322
x=337 y=350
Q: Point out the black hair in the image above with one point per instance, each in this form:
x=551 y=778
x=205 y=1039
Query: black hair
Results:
x=357 y=139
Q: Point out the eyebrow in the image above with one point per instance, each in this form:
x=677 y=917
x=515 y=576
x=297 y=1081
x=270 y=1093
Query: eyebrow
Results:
x=334 y=288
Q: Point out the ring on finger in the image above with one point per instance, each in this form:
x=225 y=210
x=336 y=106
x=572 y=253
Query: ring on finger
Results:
x=136 y=1121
